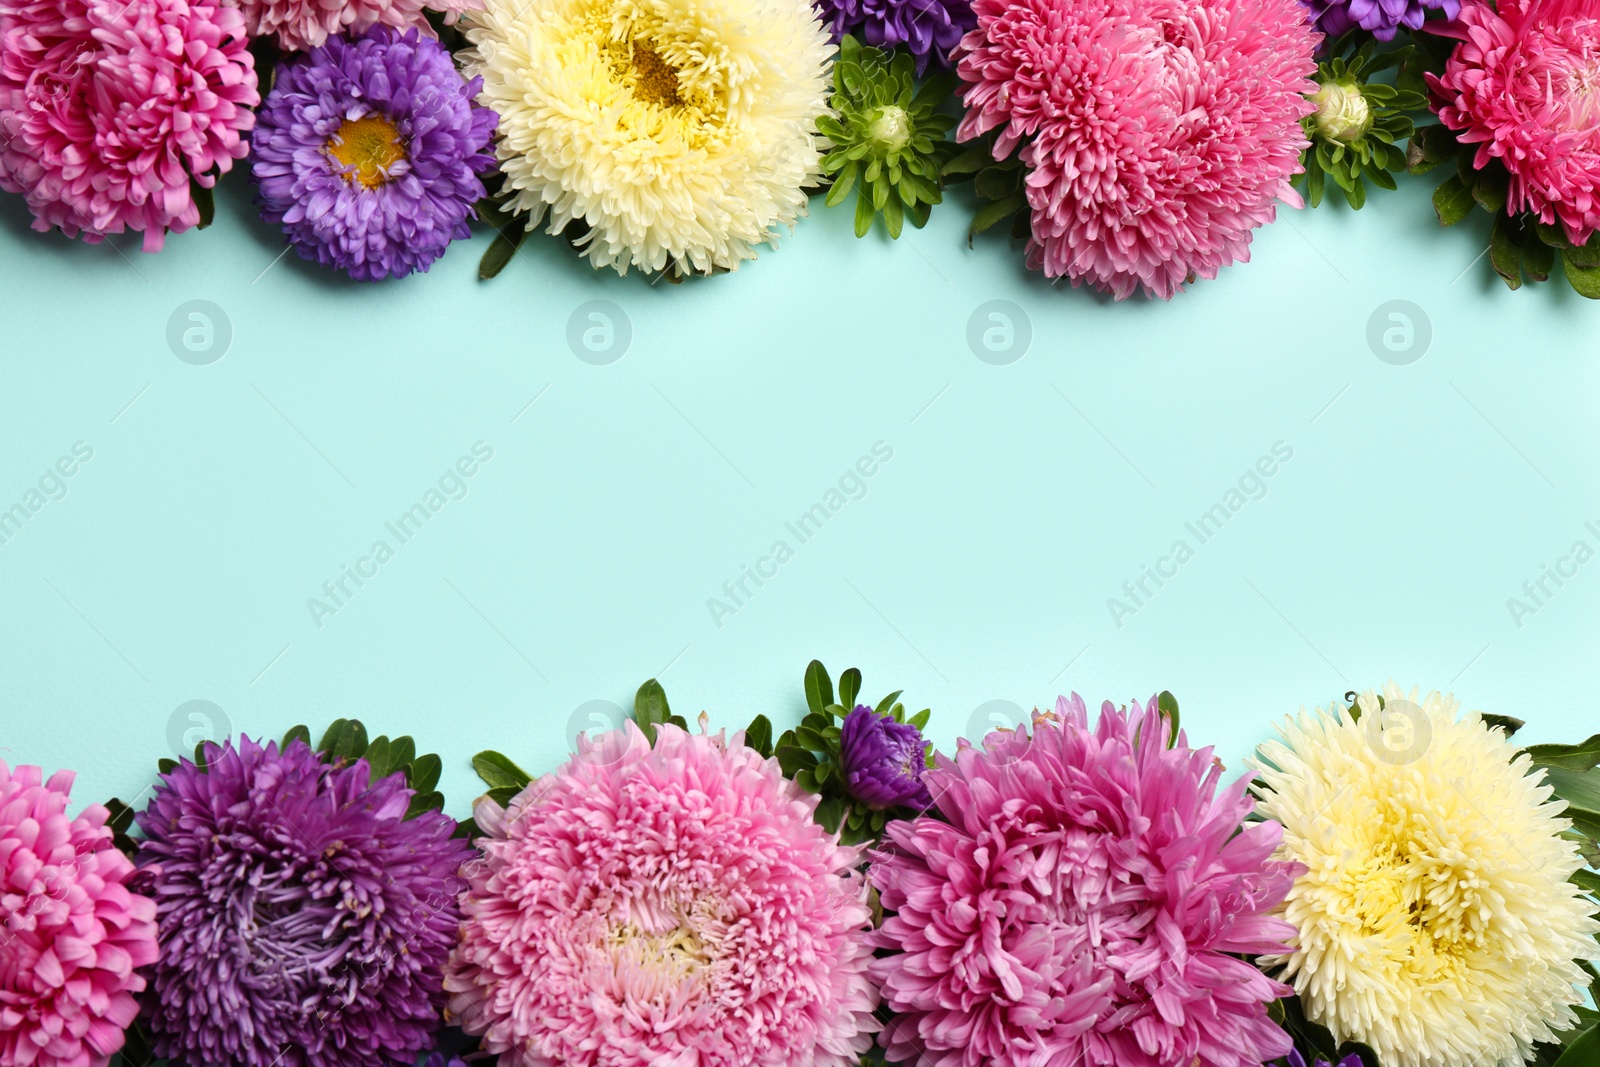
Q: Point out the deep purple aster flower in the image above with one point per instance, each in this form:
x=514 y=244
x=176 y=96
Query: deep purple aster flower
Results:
x=304 y=920
x=1297 y=1060
x=367 y=152
x=883 y=760
x=1382 y=18
x=928 y=29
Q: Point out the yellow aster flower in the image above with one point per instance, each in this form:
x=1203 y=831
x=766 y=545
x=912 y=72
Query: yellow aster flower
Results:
x=676 y=132
x=1436 y=920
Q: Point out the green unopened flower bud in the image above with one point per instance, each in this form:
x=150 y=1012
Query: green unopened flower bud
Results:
x=890 y=128
x=1343 y=115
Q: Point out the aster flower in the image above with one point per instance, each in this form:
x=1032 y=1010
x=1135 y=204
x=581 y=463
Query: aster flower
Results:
x=305 y=919
x=888 y=137
x=667 y=903
x=299 y=25
x=1518 y=94
x=1435 y=919
x=1357 y=125
x=926 y=29
x=368 y=151
x=1083 y=899
x=1168 y=184
x=1381 y=18
x=674 y=133
x=883 y=760
x=71 y=932
x=112 y=110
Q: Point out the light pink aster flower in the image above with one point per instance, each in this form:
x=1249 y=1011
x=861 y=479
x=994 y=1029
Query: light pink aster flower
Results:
x=1524 y=85
x=300 y=25
x=1080 y=901
x=108 y=107
x=71 y=933
x=1157 y=133
x=664 y=907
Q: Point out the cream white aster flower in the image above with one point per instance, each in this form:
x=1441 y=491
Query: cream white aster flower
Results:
x=1437 y=923
x=677 y=132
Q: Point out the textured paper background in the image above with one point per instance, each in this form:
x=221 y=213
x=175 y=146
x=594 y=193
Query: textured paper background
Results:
x=975 y=567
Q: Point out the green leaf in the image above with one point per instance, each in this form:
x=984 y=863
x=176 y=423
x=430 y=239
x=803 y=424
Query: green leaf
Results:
x=296 y=733
x=823 y=772
x=502 y=796
x=842 y=185
x=650 y=708
x=166 y=766
x=507 y=239
x=1167 y=704
x=1587 y=255
x=424 y=771
x=498 y=772
x=968 y=162
x=1452 y=201
x=888 y=702
x=865 y=212
x=758 y=735
x=830 y=812
x=849 y=687
x=1579 y=757
x=819 y=687
x=920 y=719
x=794 y=759
x=1583 y=1050
x=810 y=739
x=1356 y=193
x=992 y=214
x=894 y=215
x=1503 y=722
x=1315 y=182
x=377 y=757
x=1588 y=881
x=1581 y=789
x=1538 y=259
x=1505 y=255
x=205 y=200
x=422 y=802
x=997 y=183
x=1489 y=190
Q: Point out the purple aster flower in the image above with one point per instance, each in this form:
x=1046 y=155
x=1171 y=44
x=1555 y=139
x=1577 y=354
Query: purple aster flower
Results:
x=1381 y=18
x=304 y=920
x=1297 y=1060
x=367 y=152
x=928 y=29
x=883 y=760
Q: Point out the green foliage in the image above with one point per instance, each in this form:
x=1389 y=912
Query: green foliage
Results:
x=1520 y=246
x=1359 y=124
x=998 y=183
x=345 y=741
x=809 y=754
x=1313 y=1040
x=888 y=137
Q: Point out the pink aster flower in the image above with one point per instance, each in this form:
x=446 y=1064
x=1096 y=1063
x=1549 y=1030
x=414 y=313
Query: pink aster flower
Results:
x=108 y=107
x=1157 y=133
x=1524 y=85
x=71 y=934
x=1081 y=902
x=664 y=907
x=301 y=25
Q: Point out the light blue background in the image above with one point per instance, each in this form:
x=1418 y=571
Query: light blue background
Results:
x=977 y=566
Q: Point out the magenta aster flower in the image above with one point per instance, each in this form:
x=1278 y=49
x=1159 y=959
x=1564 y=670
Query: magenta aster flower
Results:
x=1157 y=133
x=299 y=25
x=670 y=905
x=1082 y=900
x=1524 y=85
x=883 y=760
x=71 y=933
x=108 y=108
x=367 y=152
x=305 y=921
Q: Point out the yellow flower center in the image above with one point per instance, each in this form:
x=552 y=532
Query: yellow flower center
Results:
x=655 y=81
x=366 y=149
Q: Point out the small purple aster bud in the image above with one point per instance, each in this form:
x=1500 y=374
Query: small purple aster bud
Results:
x=883 y=760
